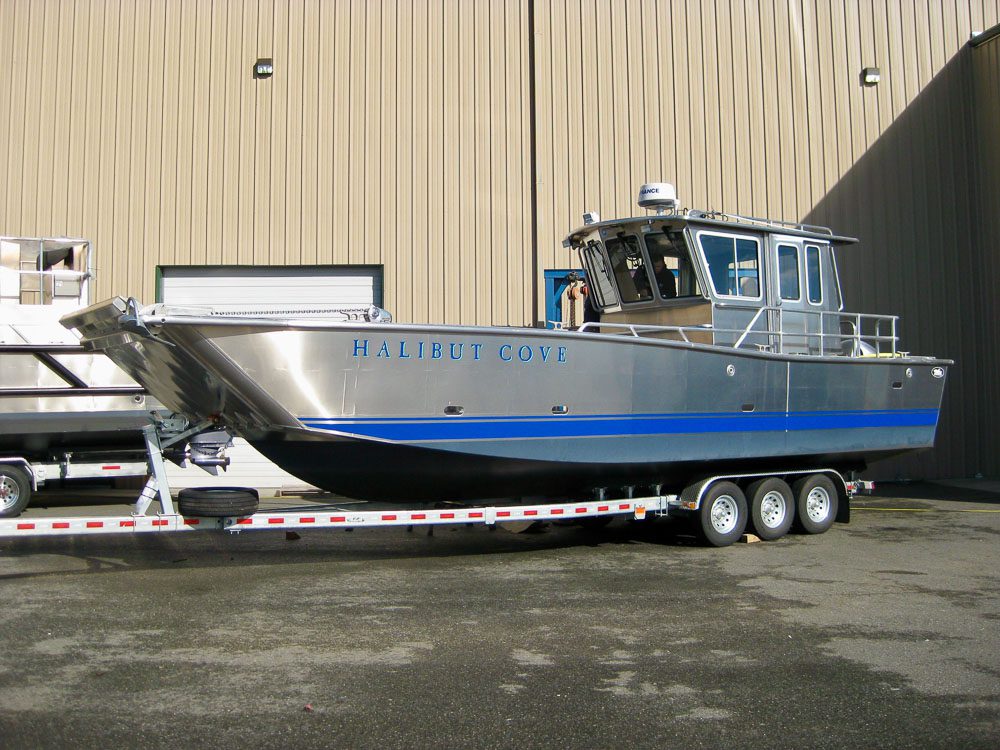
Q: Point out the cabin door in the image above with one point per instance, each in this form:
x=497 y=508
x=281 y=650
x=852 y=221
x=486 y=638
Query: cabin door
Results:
x=787 y=294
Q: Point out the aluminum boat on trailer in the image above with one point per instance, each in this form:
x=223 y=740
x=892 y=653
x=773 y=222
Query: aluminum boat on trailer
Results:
x=54 y=395
x=65 y=412
x=718 y=346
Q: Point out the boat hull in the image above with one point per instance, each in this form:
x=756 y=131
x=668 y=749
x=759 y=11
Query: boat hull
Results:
x=38 y=435
x=387 y=411
x=43 y=415
x=403 y=473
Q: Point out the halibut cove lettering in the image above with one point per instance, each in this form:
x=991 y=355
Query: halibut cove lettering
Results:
x=452 y=350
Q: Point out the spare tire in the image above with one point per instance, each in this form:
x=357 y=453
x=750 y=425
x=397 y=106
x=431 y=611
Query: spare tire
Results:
x=217 y=501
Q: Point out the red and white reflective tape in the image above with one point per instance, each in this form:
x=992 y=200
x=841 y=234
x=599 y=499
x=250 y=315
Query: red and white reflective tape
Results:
x=104 y=525
x=636 y=507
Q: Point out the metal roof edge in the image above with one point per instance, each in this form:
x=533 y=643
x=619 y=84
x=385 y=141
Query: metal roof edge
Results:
x=985 y=36
x=696 y=219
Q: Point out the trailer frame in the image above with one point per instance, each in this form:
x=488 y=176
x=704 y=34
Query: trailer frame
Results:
x=161 y=434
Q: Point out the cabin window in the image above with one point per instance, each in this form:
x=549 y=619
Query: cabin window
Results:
x=733 y=264
x=788 y=272
x=814 y=275
x=601 y=286
x=629 y=268
x=671 y=265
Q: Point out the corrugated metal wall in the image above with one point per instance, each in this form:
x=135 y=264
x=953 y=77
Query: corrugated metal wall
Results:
x=401 y=133
x=753 y=106
x=391 y=133
x=985 y=428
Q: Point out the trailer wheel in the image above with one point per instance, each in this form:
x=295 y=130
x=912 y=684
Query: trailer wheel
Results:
x=815 y=503
x=15 y=490
x=772 y=507
x=722 y=516
x=217 y=501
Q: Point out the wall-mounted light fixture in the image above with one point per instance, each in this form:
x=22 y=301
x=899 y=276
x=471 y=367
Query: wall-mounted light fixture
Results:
x=263 y=68
x=870 y=76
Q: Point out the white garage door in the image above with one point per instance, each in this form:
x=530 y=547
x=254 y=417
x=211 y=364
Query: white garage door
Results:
x=285 y=286
x=271 y=285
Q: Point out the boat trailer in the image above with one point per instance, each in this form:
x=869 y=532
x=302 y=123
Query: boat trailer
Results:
x=164 y=434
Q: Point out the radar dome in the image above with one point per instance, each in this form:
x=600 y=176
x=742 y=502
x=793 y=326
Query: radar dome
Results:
x=658 y=195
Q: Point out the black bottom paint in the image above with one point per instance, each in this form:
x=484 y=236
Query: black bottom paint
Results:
x=399 y=473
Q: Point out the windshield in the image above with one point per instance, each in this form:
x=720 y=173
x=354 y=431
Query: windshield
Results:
x=601 y=286
x=629 y=268
x=671 y=265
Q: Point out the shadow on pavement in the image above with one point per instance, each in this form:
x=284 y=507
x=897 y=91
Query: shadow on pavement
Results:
x=19 y=558
x=958 y=492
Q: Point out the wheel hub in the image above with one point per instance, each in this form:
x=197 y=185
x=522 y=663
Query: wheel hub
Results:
x=772 y=509
x=818 y=504
x=724 y=514
x=8 y=491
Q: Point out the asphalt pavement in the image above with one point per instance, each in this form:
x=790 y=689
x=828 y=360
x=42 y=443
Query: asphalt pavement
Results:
x=881 y=633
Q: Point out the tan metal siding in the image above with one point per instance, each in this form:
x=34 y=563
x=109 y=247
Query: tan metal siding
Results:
x=391 y=133
x=784 y=72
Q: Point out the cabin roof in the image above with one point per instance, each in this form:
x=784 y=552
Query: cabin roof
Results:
x=715 y=219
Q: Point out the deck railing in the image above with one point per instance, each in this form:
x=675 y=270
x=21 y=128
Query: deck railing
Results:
x=837 y=334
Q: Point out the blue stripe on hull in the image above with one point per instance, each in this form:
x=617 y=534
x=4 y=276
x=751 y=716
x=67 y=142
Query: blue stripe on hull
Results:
x=506 y=428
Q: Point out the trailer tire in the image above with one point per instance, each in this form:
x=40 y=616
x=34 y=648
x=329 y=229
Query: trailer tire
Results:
x=816 y=503
x=217 y=502
x=722 y=515
x=772 y=507
x=15 y=490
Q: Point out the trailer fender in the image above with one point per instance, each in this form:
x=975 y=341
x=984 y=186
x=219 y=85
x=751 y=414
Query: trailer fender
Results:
x=26 y=465
x=691 y=496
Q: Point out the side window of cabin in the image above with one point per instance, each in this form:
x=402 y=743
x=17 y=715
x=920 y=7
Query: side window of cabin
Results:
x=671 y=265
x=814 y=275
x=733 y=264
x=788 y=273
x=629 y=269
x=601 y=286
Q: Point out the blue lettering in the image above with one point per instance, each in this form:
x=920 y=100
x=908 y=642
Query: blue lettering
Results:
x=524 y=353
x=435 y=350
x=561 y=354
x=545 y=350
x=452 y=350
x=361 y=346
x=402 y=350
x=420 y=350
x=475 y=350
x=509 y=357
x=383 y=350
